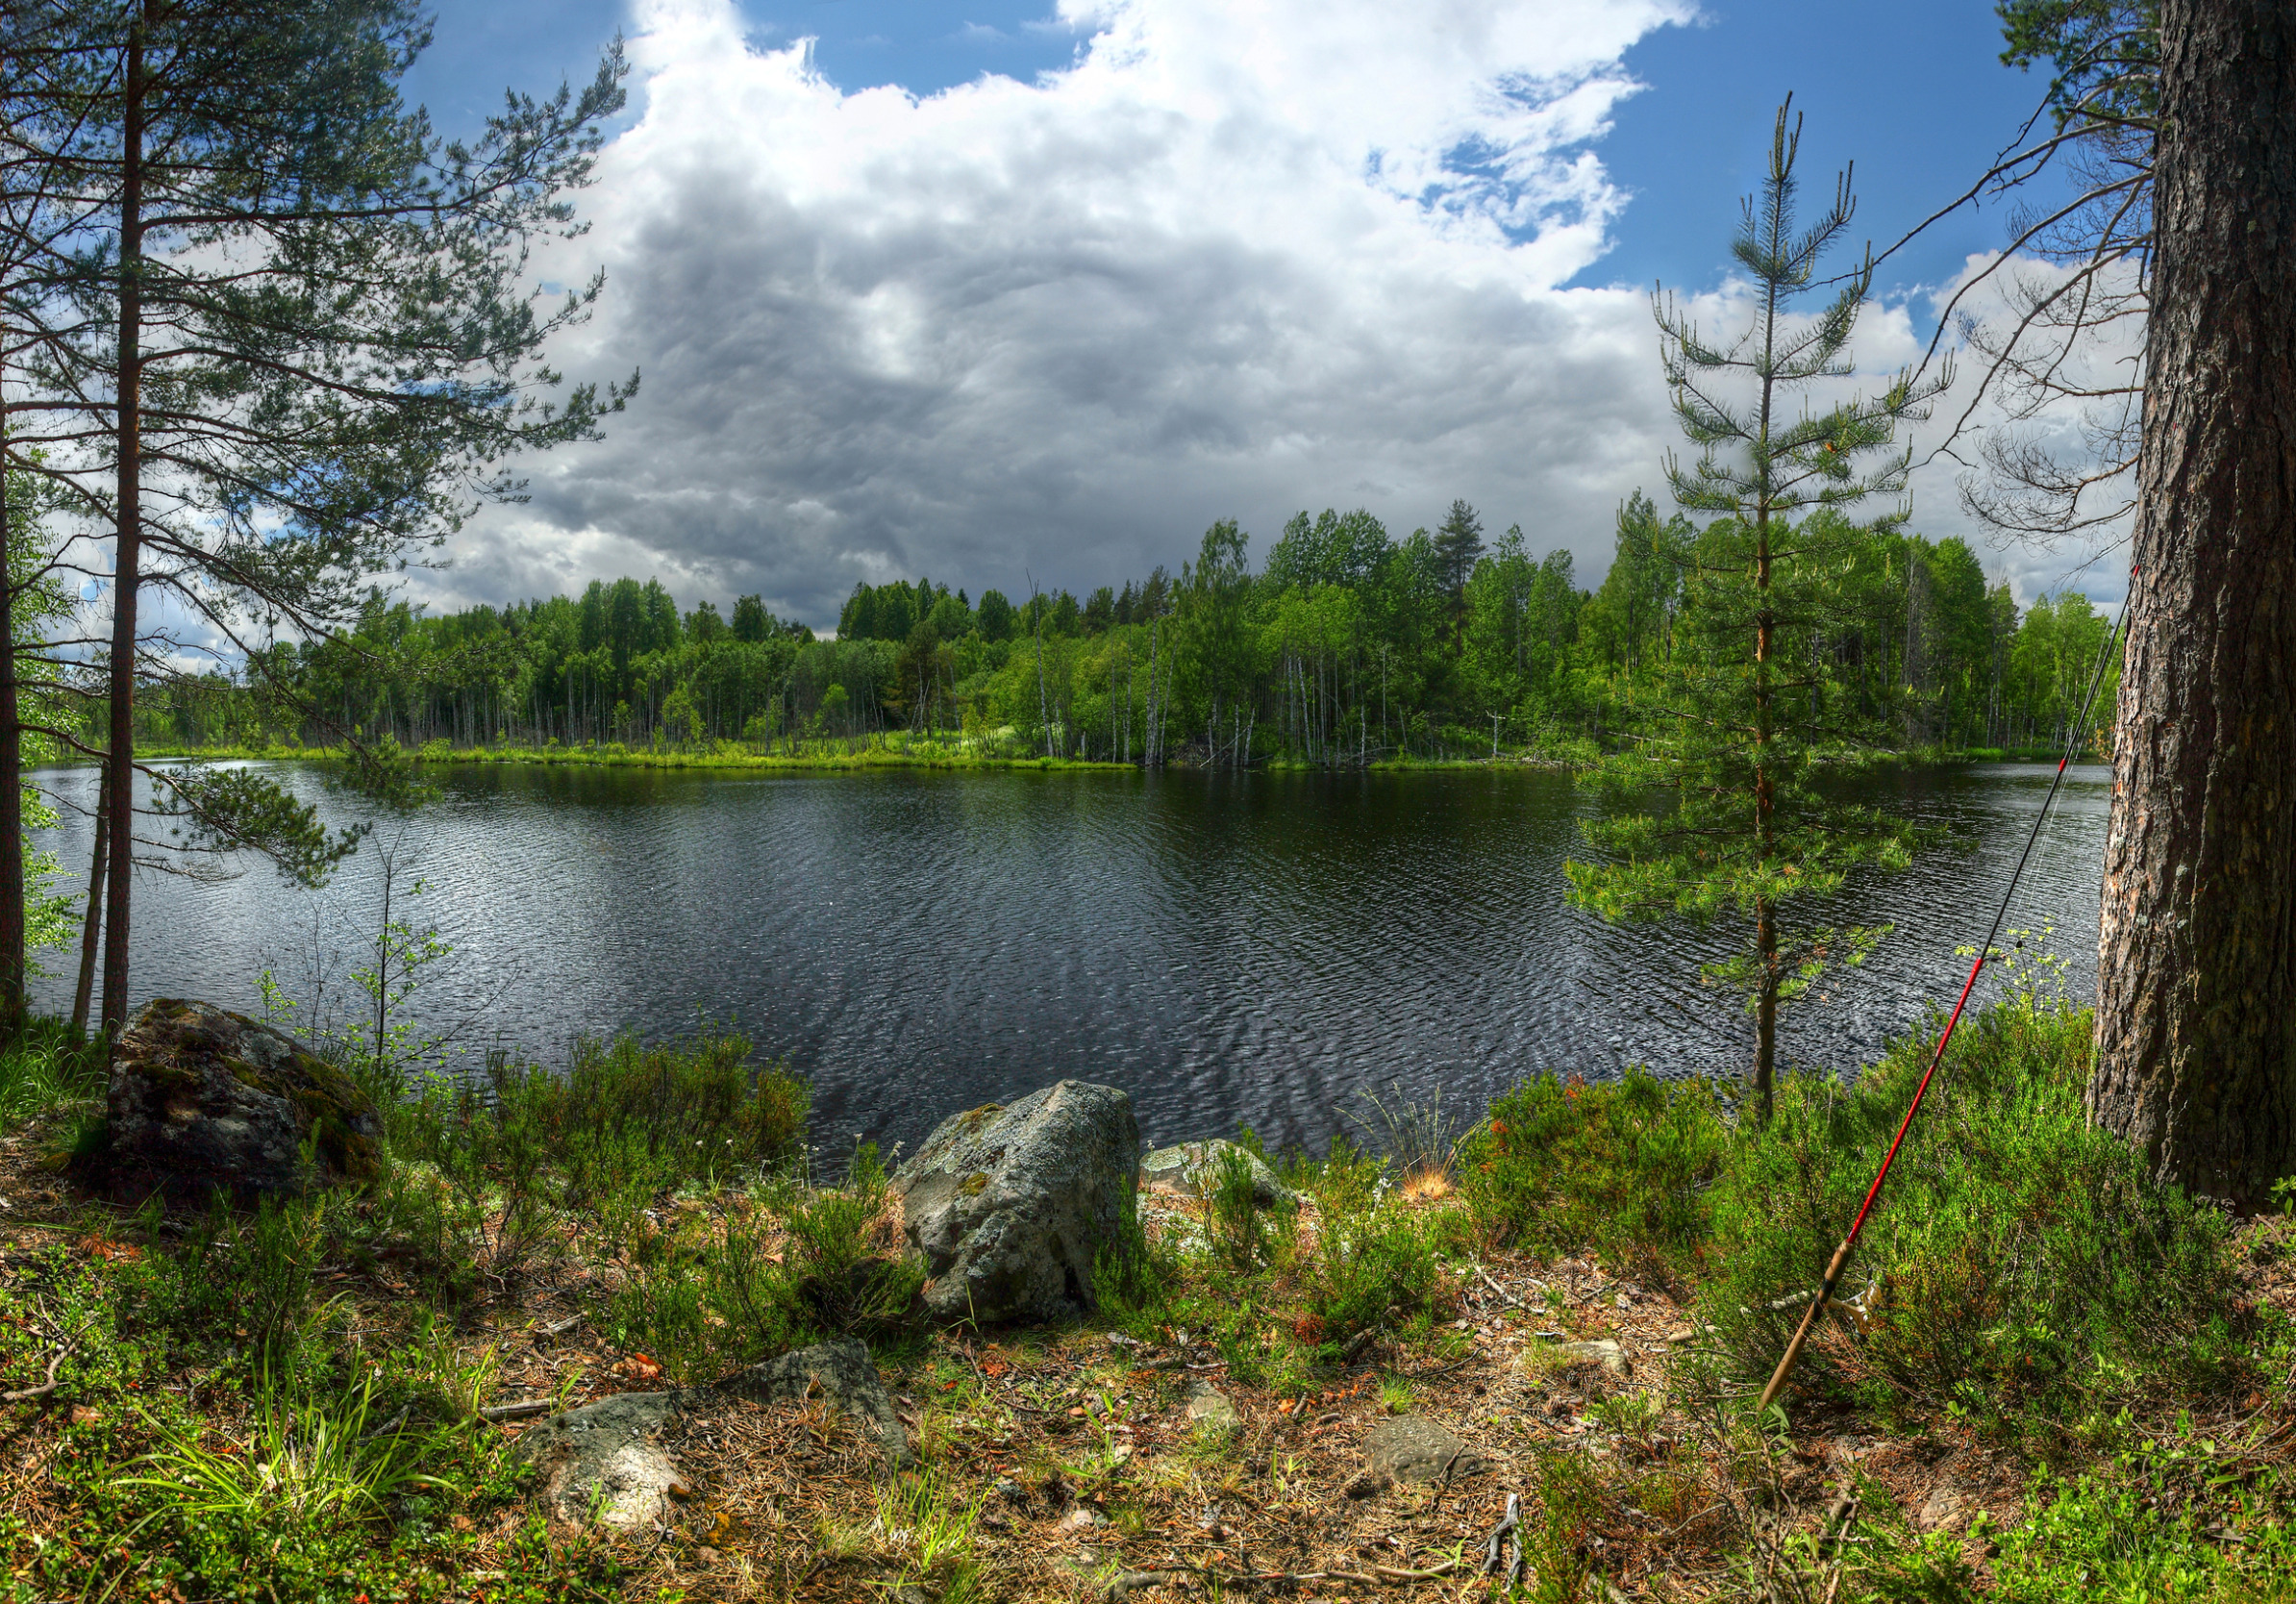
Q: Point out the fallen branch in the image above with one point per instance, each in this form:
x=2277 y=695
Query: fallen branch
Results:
x=64 y=1345
x=1431 y=1573
x=524 y=1410
x=26 y=1394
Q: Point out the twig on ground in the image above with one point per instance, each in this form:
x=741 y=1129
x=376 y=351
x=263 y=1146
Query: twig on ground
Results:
x=25 y=1394
x=1507 y=1298
x=524 y=1410
x=1398 y=1573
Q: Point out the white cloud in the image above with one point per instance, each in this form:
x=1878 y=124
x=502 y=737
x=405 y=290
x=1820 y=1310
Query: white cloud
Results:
x=1234 y=261
x=1229 y=263
x=1984 y=403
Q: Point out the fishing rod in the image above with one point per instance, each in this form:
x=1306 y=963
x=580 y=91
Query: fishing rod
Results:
x=1841 y=1254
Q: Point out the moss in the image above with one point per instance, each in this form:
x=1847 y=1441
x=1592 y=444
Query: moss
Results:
x=975 y=1184
x=975 y=1119
x=182 y=1043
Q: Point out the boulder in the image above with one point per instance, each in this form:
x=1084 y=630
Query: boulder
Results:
x=1010 y=1205
x=843 y=1373
x=1194 y=1167
x=201 y=1099
x=605 y=1460
x=1412 y=1448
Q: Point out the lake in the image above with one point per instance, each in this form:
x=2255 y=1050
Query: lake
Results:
x=1262 y=948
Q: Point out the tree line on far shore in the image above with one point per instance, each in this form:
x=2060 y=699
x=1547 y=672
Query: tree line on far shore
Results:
x=1344 y=646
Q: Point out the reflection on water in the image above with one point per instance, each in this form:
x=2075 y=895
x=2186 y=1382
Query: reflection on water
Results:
x=1229 y=949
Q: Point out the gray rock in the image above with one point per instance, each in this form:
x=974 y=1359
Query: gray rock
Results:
x=1010 y=1205
x=1209 y=1406
x=841 y=1371
x=1412 y=1448
x=607 y=1461
x=201 y=1099
x=1601 y=1353
x=1194 y=1167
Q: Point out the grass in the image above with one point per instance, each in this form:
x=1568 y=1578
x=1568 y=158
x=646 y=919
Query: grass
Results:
x=291 y=1402
x=896 y=750
x=46 y=1072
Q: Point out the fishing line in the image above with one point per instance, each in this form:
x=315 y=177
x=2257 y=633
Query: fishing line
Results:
x=2074 y=736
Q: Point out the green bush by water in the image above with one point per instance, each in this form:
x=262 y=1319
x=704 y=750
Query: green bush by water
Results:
x=1619 y=1167
x=2021 y=1263
x=707 y=1298
x=46 y=1070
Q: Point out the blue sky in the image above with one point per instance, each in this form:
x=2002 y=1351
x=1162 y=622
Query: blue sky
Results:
x=1057 y=326
x=1915 y=95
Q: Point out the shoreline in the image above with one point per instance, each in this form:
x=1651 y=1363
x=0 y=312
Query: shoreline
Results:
x=938 y=756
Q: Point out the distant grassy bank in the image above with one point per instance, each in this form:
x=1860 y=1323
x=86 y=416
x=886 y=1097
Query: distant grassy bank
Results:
x=861 y=752
x=900 y=750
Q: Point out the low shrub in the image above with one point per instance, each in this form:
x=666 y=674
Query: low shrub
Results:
x=48 y=1068
x=1136 y=1277
x=1619 y=1167
x=626 y=1117
x=711 y=1296
x=2020 y=1262
x=1379 y=1263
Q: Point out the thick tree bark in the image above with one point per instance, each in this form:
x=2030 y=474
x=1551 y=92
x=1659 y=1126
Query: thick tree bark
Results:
x=2196 y=1012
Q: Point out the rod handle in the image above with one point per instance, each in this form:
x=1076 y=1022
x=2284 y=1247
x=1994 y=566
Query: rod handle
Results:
x=1817 y=1304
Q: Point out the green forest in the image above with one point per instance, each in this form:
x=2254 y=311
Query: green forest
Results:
x=1343 y=646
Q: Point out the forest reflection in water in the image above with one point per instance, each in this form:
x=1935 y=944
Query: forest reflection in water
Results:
x=1258 y=949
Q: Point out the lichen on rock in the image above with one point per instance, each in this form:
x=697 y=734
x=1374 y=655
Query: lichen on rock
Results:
x=202 y=1099
x=1011 y=1206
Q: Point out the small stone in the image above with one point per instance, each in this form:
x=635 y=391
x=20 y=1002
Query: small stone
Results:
x=1208 y=1406
x=1010 y=1491
x=1941 y=1510
x=1680 y=1333
x=1082 y=1519
x=1367 y=1484
x=606 y=1458
x=1602 y=1352
x=1412 y=1448
x=1192 y=1169
x=841 y=1372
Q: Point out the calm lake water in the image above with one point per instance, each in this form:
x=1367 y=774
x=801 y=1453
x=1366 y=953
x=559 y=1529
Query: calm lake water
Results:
x=1262 y=948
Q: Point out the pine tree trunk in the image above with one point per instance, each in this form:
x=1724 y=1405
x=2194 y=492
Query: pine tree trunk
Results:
x=91 y=928
x=120 y=761
x=11 y=782
x=2196 y=1009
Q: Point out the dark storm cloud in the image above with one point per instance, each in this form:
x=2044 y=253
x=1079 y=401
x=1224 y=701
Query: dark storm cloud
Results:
x=1058 y=329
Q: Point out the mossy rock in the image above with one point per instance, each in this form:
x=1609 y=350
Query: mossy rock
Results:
x=202 y=1098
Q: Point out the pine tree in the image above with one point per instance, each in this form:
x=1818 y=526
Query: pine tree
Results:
x=286 y=341
x=1746 y=709
x=1458 y=542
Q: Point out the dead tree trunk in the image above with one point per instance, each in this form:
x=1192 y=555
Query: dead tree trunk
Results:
x=2196 y=1008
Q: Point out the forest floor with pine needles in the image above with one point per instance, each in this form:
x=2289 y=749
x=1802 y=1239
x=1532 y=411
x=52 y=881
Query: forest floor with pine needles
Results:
x=2053 y=1380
